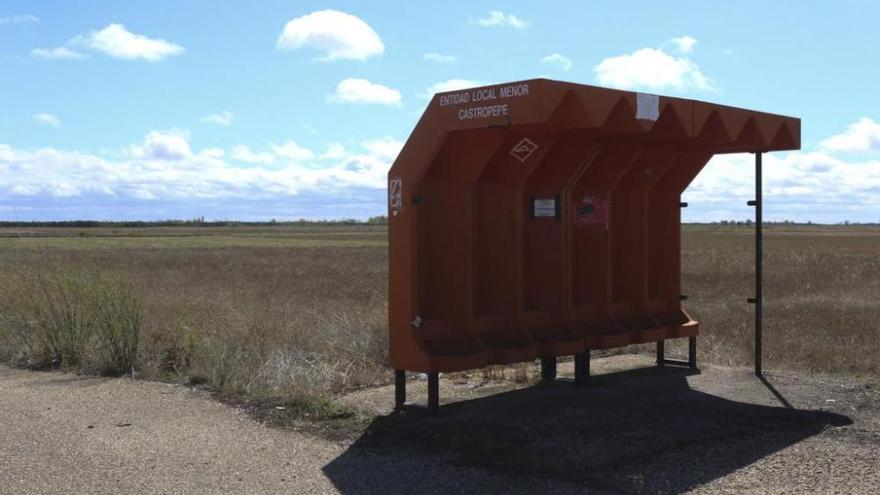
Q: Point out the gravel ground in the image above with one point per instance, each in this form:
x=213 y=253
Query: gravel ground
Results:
x=637 y=429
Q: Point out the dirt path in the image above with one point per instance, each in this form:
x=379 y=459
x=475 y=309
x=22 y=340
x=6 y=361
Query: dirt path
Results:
x=67 y=434
x=635 y=430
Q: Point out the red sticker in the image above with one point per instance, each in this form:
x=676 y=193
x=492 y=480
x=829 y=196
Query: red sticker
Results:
x=590 y=210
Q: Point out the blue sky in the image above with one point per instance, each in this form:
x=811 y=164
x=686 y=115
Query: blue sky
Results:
x=270 y=109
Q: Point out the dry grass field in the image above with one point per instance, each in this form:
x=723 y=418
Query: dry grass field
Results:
x=821 y=289
x=299 y=312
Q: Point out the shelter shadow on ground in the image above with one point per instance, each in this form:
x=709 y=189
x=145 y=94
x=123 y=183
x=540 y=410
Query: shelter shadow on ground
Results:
x=633 y=431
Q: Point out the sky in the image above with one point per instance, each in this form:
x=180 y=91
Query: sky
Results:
x=145 y=110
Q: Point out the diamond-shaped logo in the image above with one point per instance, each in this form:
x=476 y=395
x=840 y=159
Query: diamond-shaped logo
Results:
x=523 y=149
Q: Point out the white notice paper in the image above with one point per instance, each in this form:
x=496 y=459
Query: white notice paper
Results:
x=544 y=208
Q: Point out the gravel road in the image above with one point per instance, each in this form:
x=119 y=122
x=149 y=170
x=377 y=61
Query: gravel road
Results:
x=650 y=430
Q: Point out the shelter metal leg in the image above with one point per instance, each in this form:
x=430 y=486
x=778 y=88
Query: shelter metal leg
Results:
x=399 y=389
x=758 y=300
x=548 y=369
x=692 y=353
x=582 y=369
x=661 y=352
x=433 y=391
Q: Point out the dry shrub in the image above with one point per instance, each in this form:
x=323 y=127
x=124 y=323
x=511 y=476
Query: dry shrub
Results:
x=118 y=315
x=168 y=350
x=521 y=373
x=74 y=321
x=48 y=321
x=308 y=351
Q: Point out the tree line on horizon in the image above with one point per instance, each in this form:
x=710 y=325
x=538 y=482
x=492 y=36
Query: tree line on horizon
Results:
x=375 y=220
x=195 y=222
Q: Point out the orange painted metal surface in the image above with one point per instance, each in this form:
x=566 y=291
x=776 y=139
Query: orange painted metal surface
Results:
x=541 y=218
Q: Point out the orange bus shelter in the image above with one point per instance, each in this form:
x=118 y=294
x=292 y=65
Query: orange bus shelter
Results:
x=538 y=219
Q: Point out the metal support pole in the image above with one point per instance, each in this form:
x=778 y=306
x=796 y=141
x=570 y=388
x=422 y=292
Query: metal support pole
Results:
x=758 y=300
x=582 y=369
x=548 y=369
x=399 y=389
x=759 y=264
x=433 y=391
x=661 y=352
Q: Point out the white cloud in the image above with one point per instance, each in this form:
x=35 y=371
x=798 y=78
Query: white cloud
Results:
x=59 y=53
x=62 y=172
x=801 y=186
x=146 y=173
x=448 y=85
x=23 y=190
x=212 y=153
x=683 y=44
x=816 y=186
x=651 y=68
x=221 y=118
x=498 y=18
x=118 y=42
x=47 y=119
x=440 y=58
x=338 y=34
x=19 y=19
x=334 y=151
x=243 y=153
x=386 y=148
x=355 y=90
x=292 y=151
x=860 y=136
x=171 y=144
x=561 y=61
x=143 y=194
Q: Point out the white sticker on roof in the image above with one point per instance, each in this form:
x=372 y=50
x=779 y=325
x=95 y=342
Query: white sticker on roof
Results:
x=647 y=107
